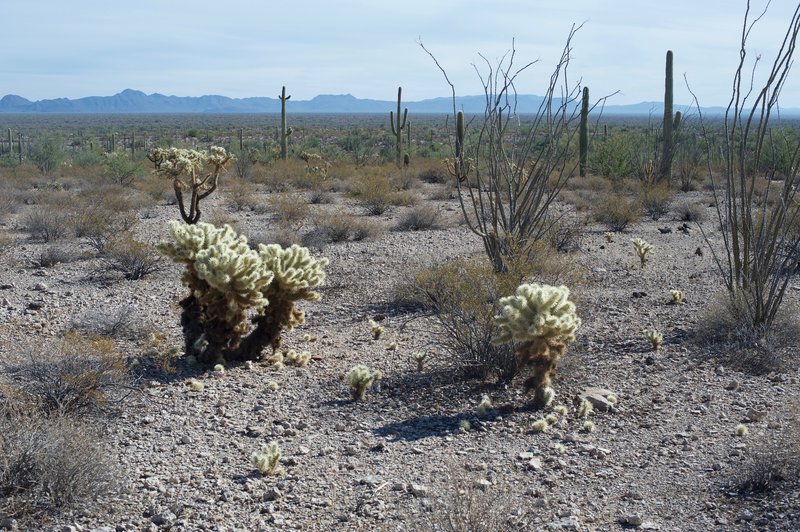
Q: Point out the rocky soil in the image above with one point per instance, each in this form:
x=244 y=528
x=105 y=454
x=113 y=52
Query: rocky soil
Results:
x=663 y=459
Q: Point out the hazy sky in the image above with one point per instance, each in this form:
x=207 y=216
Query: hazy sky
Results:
x=238 y=48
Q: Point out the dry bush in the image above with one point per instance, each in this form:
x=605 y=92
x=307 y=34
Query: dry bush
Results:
x=758 y=349
x=52 y=255
x=158 y=189
x=341 y=227
x=431 y=171
x=468 y=508
x=320 y=197
x=50 y=464
x=403 y=180
x=656 y=200
x=99 y=221
x=283 y=173
x=79 y=375
x=691 y=212
x=119 y=323
x=773 y=460
x=47 y=224
x=219 y=218
x=130 y=257
x=462 y=295
x=290 y=209
x=9 y=203
x=283 y=236
x=616 y=213
x=421 y=218
x=565 y=234
x=241 y=195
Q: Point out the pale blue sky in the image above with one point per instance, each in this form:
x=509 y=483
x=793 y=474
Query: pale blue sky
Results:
x=238 y=48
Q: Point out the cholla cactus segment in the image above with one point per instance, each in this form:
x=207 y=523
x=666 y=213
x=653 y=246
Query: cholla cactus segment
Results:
x=233 y=268
x=484 y=406
x=677 y=297
x=360 y=378
x=268 y=460
x=296 y=271
x=295 y=358
x=540 y=425
x=609 y=237
x=191 y=239
x=642 y=248
x=537 y=311
x=377 y=330
x=655 y=337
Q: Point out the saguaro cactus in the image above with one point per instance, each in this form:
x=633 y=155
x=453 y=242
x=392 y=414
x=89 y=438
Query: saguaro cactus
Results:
x=10 y=144
x=584 y=132
x=670 y=124
x=285 y=132
x=397 y=128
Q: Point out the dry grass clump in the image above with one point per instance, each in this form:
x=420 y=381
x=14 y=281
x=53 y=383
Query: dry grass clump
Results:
x=50 y=464
x=461 y=295
x=431 y=171
x=616 y=213
x=565 y=234
x=282 y=174
x=656 y=200
x=241 y=195
x=342 y=227
x=775 y=460
x=80 y=375
x=53 y=255
x=290 y=209
x=690 y=212
x=421 y=218
x=727 y=325
x=118 y=323
x=468 y=508
x=130 y=257
x=47 y=224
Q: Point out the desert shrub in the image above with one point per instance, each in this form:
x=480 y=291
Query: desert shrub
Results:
x=612 y=157
x=462 y=295
x=240 y=195
x=98 y=221
x=656 y=200
x=130 y=257
x=690 y=212
x=755 y=348
x=290 y=210
x=773 y=460
x=465 y=507
x=319 y=197
x=50 y=464
x=433 y=171
x=47 y=224
x=565 y=234
x=87 y=158
x=341 y=227
x=52 y=255
x=47 y=154
x=121 y=169
x=616 y=214
x=420 y=218
x=119 y=323
x=79 y=375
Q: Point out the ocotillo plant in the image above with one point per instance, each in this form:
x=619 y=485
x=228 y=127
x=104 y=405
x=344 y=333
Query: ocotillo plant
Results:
x=285 y=132
x=397 y=128
x=584 y=132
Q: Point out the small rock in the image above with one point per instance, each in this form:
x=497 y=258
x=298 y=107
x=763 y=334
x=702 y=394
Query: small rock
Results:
x=483 y=484
x=733 y=385
x=272 y=494
x=8 y=523
x=525 y=455
x=535 y=464
x=40 y=287
x=754 y=416
x=418 y=490
x=746 y=515
x=633 y=520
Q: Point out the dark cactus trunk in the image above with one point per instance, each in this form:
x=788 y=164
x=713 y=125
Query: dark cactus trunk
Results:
x=668 y=141
x=584 y=132
x=397 y=128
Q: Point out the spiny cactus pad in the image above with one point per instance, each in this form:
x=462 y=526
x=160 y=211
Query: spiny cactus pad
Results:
x=537 y=311
x=296 y=271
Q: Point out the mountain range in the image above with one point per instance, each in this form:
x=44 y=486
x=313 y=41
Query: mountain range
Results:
x=133 y=101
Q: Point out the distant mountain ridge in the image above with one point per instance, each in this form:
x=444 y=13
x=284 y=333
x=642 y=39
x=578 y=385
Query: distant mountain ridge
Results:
x=133 y=101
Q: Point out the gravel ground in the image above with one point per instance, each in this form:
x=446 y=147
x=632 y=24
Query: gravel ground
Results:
x=399 y=460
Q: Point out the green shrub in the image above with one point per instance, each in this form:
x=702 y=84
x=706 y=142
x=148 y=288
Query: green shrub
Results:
x=617 y=213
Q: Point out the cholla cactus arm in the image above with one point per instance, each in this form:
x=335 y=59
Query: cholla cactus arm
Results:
x=296 y=271
x=360 y=378
x=191 y=239
x=537 y=311
x=642 y=248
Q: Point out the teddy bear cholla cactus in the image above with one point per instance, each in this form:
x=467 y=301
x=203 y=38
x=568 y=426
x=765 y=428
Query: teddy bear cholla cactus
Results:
x=543 y=320
x=226 y=279
x=642 y=248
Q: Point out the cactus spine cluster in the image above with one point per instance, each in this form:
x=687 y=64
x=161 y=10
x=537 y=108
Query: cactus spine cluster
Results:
x=285 y=132
x=397 y=128
x=543 y=320
x=226 y=279
x=583 y=138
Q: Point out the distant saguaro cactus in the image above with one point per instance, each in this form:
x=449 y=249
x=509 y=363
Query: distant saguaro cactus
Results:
x=397 y=128
x=584 y=132
x=285 y=132
x=10 y=144
x=670 y=123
